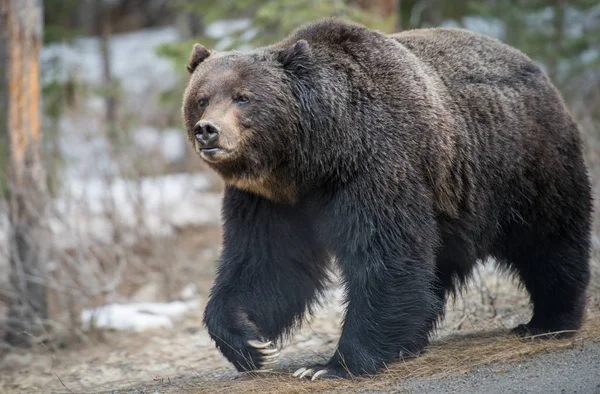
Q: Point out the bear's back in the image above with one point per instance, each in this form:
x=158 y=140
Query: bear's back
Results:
x=494 y=88
x=508 y=116
x=462 y=57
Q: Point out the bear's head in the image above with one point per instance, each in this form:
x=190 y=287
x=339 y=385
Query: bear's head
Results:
x=243 y=115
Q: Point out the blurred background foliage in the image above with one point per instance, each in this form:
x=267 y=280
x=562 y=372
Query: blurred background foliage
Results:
x=564 y=36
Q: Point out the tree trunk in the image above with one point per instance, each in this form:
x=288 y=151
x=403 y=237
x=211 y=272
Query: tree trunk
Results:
x=103 y=14
x=21 y=41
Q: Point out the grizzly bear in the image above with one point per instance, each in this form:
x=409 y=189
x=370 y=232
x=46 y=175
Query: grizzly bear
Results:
x=404 y=159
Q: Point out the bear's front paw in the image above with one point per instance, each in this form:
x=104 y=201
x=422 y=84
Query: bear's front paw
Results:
x=323 y=371
x=238 y=338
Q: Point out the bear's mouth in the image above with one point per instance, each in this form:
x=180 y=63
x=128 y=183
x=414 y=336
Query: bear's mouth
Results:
x=213 y=154
x=211 y=150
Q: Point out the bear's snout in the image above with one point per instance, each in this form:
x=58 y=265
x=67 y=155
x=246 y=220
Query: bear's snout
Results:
x=207 y=134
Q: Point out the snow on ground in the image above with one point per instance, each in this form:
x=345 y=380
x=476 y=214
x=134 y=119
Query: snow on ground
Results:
x=91 y=210
x=155 y=205
x=135 y=316
x=141 y=75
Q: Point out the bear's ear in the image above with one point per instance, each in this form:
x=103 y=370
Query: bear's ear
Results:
x=198 y=55
x=297 y=57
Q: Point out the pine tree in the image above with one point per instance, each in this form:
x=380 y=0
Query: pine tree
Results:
x=21 y=41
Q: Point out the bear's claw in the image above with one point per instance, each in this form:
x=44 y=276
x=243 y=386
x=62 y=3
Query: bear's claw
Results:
x=308 y=372
x=258 y=344
x=266 y=355
x=323 y=371
x=268 y=352
x=318 y=373
x=298 y=372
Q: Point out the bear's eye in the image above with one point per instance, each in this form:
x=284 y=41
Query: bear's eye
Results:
x=242 y=99
x=203 y=102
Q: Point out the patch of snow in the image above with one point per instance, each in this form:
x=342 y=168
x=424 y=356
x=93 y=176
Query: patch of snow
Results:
x=135 y=316
x=188 y=292
x=224 y=30
x=147 y=138
x=94 y=208
x=141 y=74
x=84 y=149
x=169 y=143
x=134 y=60
x=173 y=144
x=152 y=191
x=249 y=34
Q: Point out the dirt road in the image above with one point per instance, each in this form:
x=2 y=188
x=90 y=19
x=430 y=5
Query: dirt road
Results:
x=472 y=353
x=478 y=362
x=566 y=371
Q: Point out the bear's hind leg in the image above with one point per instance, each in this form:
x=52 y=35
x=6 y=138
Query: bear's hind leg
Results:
x=556 y=276
x=547 y=231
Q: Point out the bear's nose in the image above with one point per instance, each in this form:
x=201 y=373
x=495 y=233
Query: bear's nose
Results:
x=206 y=132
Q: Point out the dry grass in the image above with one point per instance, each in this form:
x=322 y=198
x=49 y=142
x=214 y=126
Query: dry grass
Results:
x=452 y=355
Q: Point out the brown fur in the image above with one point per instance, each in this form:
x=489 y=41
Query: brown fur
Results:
x=275 y=190
x=407 y=157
